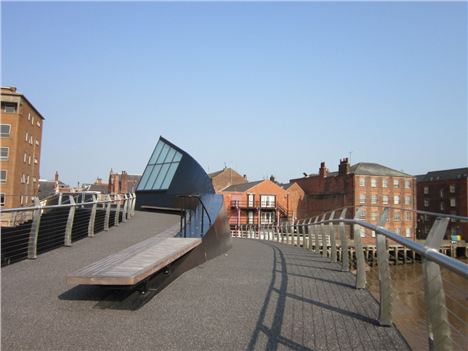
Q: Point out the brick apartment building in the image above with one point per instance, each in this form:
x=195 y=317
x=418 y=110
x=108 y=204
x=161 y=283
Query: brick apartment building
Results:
x=364 y=184
x=21 y=140
x=443 y=191
x=225 y=178
x=122 y=183
x=259 y=202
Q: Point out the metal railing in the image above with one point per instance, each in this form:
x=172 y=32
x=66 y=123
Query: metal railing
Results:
x=319 y=233
x=187 y=211
x=29 y=231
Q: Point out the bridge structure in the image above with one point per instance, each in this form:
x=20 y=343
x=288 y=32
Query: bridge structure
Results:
x=159 y=269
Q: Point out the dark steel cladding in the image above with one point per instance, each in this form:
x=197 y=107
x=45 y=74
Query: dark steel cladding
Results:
x=189 y=188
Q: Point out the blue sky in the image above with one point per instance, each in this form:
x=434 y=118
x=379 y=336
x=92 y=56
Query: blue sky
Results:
x=267 y=88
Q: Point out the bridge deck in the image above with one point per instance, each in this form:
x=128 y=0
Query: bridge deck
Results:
x=260 y=295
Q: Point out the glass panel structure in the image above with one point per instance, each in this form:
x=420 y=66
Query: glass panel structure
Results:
x=161 y=168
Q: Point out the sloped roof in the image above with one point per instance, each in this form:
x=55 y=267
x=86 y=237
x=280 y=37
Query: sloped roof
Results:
x=102 y=188
x=214 y=174
x=446 y=174
x=242 y=187
x=366 y=168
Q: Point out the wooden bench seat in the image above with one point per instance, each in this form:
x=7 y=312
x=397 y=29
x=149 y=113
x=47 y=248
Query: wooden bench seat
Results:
x=130 y=266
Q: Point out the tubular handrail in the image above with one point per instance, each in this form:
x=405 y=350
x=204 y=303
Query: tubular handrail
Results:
x=32 y=208
x=197 y=197
x=435 y=214
x=425 y=252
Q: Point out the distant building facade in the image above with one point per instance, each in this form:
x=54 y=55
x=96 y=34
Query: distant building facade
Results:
x=121 y=183
x=21 y=141
x=225 y=178
x=444 y=191
x=370 y=185
x=257 y=203
x=49 y=188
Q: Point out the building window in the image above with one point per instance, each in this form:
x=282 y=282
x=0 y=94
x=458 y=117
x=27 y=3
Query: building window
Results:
x=373 y=233
x=396 y=183
x=374 y=216
x=3 y=176
x=23 y=178
x=426 y=190
x=267 y=201
x=453 y=202
x=397 y=230
x=362 y=199
x=37 y=142
x=25 y=157
x=407 y=184
x=442 y=206
x=35 y=161
x=267 y=217
x=26 y=137
x=408 y=232
x=9 y=107
x=32 y=121
x=452 y=188
x=374 y=199
x=27 y=180
x=408 y=216
x=362 y=181
x=31 y=140
x=385 y=183
x=2 y=199
x=426 y=203
x=29 y=116
x=363 y=215
x=38 y=123
x=373 y=183
x=250 y=215
x=396 y=200
x=385 y=199
x=441 y=192
x=397 y=216
x=5 y=130
x=407 y=200
x=34 y=179
x=4 y=151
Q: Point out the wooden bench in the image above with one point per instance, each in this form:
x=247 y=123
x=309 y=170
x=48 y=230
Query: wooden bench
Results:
x=135 y=263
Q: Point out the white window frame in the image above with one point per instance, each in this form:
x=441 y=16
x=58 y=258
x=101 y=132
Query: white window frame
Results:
x=5 y=158
x=26 y=136
x=385 y=199
x=373 y=183
x=397 y=216
x=4 y=180
x=408 y=216
x=453 y=202
x=25 y=157
x=2 y=199
x=385 y=183
x=408 y=232
x=362 y=181
x=407 y=200
x=362 y=199
x=374 y=199
x=396 y=183
x=9 y=130
x=37 y=142
x=426 y=190
x=396 y=199
x=407 y=184
x=452 y=188
x=426 y=202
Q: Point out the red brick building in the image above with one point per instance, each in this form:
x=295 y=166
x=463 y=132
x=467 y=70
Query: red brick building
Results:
x=20 y=157
x=443 y=191
x=122 y=183
x=225 y=178
x=364 y=184
x=260 y=202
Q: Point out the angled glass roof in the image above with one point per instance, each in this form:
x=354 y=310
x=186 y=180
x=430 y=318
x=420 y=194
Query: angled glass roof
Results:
x=161 y=168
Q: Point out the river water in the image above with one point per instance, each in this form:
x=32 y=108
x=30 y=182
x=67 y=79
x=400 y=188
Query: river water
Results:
x=409 y=312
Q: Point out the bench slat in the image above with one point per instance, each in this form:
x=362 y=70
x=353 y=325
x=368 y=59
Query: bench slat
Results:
x=136 y=264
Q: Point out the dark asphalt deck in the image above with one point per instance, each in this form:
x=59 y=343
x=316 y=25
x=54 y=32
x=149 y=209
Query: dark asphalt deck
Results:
x=260 y=295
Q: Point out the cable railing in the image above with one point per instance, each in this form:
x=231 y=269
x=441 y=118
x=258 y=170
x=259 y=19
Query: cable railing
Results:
x=328 y=235
x=27 y=232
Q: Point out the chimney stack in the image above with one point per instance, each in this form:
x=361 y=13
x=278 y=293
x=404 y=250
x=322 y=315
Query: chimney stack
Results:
x=323 y=171
x=344 y=166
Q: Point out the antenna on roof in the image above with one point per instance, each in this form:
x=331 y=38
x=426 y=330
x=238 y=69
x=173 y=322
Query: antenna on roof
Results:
x=350 y=153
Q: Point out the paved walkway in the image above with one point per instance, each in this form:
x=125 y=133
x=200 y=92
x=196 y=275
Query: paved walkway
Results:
x=258 y=296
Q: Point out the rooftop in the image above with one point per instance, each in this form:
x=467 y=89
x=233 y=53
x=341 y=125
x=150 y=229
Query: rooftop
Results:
x=242 y=187
x=259 y=295
x=447 y=174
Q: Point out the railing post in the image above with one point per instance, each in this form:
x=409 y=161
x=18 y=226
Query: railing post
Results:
x=360 y=262
x=69 y=225
x=439 y=329
x=316 y=233
x=331 y=232
x=324 y=237
x=385 y=283
x=117 y=210
x=125 y=207
x=33 y=234
x=92 y=217
x=133 y=204
x=309 y=232
x=108 y=210
x=343 y=243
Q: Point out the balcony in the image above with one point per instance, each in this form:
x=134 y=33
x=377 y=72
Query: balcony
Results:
x=253 y=204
